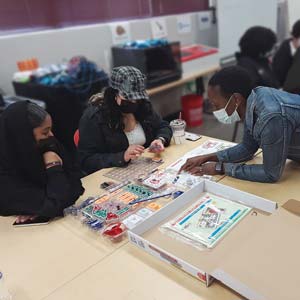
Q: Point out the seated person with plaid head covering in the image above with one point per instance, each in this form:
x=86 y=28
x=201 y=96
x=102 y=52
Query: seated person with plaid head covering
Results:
x=119 y=124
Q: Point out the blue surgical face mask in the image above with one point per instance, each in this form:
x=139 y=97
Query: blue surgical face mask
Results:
x=223 y=117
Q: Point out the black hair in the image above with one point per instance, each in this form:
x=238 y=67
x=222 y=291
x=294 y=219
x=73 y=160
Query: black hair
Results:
x=36 y=115
x=296 y=30
x=257 y=41
x=231 y=80
x=112 y=113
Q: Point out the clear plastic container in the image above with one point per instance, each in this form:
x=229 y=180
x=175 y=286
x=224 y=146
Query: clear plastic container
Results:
x=4 y=292
x=178 y=128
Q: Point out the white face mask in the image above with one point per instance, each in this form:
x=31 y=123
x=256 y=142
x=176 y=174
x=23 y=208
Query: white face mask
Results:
x=223 y=117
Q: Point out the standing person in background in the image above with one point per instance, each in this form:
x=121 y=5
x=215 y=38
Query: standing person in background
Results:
x=119 y=124
x=36 y=178
x=284 y=57
x=256 y=44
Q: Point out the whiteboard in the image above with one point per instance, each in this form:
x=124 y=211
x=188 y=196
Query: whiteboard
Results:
x=234 y=17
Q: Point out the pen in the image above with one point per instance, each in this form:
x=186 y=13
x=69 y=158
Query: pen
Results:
x=149 y=198
x=175 y=163
x=117 y=187
x=148 y=175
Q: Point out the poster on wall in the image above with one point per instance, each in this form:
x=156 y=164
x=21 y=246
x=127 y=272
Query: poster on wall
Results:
x=120 y=33
x=159 y=28
x=204 y=20
x=184 y=24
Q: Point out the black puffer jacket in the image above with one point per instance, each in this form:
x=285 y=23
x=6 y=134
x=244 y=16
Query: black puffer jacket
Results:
x=101 y=146
x=282 y=61
x=259 y=70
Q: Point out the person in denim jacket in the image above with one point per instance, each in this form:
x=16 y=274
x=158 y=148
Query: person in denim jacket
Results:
x=271 y=122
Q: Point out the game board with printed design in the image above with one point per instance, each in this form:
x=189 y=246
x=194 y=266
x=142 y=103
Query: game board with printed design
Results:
x=207 y=220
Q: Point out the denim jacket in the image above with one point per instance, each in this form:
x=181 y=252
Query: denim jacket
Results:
x=272 y=123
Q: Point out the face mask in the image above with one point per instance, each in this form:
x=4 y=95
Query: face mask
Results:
x=223 y=117
x=49 y=144
x=128 y=107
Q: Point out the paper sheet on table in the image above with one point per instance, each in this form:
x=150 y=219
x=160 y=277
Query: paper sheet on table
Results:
x=209 y=146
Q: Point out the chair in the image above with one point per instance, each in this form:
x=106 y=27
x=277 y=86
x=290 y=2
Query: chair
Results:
x=76 y=138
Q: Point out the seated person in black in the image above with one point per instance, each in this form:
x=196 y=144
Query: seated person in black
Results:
x=36 y=178
x=283 y=58
x=255 y=45
x=120 y=124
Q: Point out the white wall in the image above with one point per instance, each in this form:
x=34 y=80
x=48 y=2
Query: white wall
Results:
x=283 y=26
x=294 y=11
x=236 y=16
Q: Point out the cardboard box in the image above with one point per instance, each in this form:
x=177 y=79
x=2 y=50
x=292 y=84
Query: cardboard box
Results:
x=198 y=56
x=258 y=258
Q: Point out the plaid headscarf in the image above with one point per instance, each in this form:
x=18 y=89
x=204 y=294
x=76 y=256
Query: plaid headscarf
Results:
x=130 y=82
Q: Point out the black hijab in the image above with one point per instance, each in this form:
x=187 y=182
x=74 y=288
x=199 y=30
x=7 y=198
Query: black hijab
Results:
x=19 y=153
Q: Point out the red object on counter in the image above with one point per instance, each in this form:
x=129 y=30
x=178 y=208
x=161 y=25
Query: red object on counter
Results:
x=196 y=51
x=192 y=109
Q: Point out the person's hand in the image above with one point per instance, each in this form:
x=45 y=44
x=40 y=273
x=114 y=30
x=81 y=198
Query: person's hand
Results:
x=208 y=168
x=22 y=219
x=49 y=144
x=156 y=146
x=194 y=162
x=50 y=157
x=133 y=152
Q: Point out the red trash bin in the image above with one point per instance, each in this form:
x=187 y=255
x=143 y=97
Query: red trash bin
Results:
x=192 y=109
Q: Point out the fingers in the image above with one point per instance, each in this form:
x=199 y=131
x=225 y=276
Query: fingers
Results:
x=160 y=149
x=138 y=148
x=190 y=167
x=183 y=167
x=156 y=146
x=133 y=152
x=197 y=171
x=193 y=162
x=187 y=167
x=134 y=155
x=22 y=219
x=136 y=151
x=51 y=156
